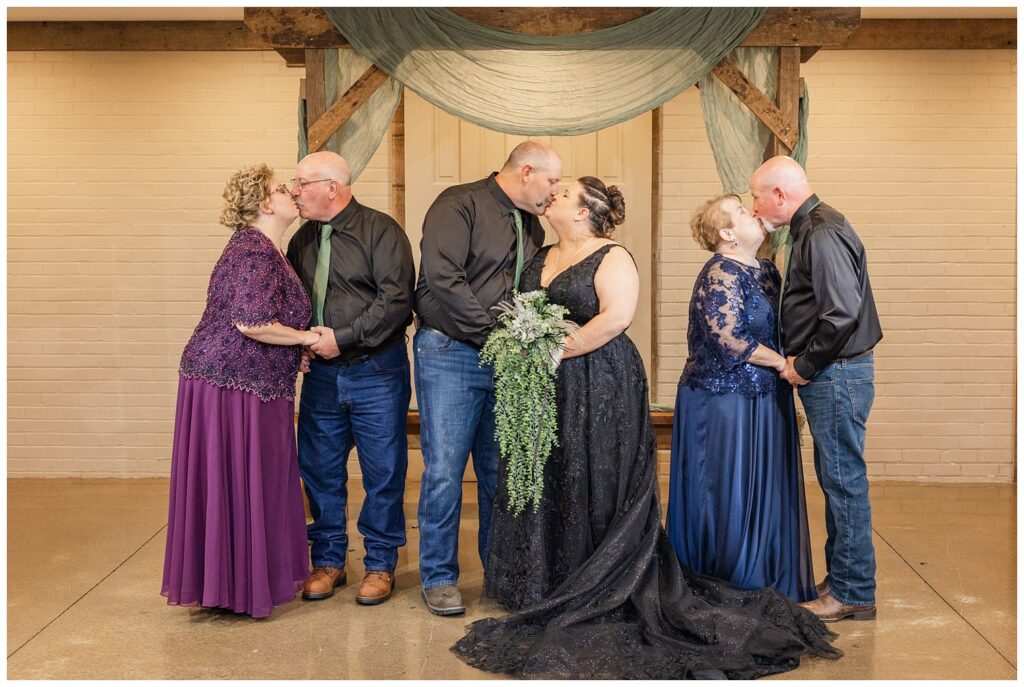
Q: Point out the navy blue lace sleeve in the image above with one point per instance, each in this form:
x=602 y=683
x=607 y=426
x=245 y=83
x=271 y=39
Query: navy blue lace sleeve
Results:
x=732 y=310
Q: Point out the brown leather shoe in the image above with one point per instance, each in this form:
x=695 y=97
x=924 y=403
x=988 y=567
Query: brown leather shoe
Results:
x=822 y=588
x=322 y=583
x=376 y=588
x=829 y=609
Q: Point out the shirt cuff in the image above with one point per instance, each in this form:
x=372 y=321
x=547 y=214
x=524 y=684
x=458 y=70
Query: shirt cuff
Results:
x=803 y=368
x=345 y=337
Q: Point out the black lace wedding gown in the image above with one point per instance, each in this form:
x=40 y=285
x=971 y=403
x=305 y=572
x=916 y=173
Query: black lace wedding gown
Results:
x=596 y=589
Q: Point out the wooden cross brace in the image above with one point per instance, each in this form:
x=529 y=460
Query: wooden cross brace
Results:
x=781 y=120
x=322 y=128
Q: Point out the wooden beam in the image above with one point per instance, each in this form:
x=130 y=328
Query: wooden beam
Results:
x=132 y=35
x=332 y=120
x=304 y=27
x=268 y=28
x=316 y=98
x=398 y=163
x=807 y=52
x=662 y=420
x=293 y=57
x=557 y=21
x=760 y=104
x=293 y=27
x=788 y=96
x=932 y=34
x=803 y=26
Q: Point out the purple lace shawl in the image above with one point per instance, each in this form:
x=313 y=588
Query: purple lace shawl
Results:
x=251 y=284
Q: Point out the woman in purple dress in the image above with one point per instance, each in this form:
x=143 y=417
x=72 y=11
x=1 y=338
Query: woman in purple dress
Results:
x=236 y=530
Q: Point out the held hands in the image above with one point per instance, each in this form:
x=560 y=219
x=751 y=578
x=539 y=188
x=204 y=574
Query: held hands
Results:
x=307 y=355
x=326 y=345
x=790 y=374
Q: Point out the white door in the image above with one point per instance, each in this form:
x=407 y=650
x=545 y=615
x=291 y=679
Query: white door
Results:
x=442 y=151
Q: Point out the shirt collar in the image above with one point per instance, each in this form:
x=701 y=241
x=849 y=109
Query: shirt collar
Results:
x=506 y=204
x=801 y=214
x=345 y=217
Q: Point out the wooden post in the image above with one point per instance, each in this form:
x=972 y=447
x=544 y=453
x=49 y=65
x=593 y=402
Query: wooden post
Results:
x=788 y=96
x=398 y=163
x=656 y=138
x=316 y=97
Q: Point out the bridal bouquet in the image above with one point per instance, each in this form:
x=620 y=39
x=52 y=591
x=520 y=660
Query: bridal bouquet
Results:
x=525 y=350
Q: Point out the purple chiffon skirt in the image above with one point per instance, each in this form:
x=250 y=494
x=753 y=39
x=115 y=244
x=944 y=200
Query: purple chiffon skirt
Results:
x=236 y=528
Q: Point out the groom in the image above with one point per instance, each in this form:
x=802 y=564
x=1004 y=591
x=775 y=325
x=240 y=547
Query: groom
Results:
x=829 y=328
x=476 y=239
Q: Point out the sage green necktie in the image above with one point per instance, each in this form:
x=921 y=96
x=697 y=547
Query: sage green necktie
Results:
x=785 y=276
x=323 y=267
x=518 y=219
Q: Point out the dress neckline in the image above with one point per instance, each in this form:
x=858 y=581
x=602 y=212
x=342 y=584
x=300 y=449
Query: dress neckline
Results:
x=578 y=262
x=758 y=266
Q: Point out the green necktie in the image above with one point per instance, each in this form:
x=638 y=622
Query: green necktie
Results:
x=323 y=267
x=785 y=276
x=518 y=219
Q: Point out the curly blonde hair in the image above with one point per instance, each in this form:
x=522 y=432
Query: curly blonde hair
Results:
x=708 y=220
x=245 y=190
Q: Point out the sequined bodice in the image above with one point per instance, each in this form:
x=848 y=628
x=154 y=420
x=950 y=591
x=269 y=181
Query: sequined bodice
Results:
x=733 y=309
x=573 y=287
x=251 y=284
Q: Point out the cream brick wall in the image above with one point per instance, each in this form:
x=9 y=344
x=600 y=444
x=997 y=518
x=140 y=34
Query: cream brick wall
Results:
x=116 y=162
x=918 y=149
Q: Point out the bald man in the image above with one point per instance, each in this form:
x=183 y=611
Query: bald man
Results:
x=476 y=239
x=829 y=328
x=356 y=264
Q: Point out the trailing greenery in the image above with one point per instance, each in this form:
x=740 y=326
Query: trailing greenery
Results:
x=525 y=352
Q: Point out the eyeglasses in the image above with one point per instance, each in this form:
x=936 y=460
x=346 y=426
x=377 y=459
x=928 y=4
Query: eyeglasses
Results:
x=283 y=188
x=303 y=184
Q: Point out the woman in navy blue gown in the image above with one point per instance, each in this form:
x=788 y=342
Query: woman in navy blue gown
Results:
x=736 y=495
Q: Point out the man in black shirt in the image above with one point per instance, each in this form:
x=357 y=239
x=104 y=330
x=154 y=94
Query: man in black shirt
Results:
x=829 y=327
x=356 y=263
x=476 y=239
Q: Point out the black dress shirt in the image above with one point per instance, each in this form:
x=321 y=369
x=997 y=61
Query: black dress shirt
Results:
x=468 y=259
x=370 y=283
x=828 y=311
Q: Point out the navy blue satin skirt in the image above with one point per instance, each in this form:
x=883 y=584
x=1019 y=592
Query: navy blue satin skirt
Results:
x=736 y=508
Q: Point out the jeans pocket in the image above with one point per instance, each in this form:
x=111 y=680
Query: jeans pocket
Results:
x=862 y=396
x=432 y=341
x=389 y=362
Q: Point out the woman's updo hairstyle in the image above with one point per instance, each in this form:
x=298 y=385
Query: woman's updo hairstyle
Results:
x=709 y=219
x=605 y=203
x=245 y=190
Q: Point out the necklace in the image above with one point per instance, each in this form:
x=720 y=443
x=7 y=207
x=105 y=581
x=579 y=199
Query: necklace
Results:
x=563 y=265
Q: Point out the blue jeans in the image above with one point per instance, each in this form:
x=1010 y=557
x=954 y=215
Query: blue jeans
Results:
x=456 y=402
x=837 y=402
x=365 y=404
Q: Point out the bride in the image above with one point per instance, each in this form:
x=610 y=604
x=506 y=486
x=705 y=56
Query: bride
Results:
x=595 y=588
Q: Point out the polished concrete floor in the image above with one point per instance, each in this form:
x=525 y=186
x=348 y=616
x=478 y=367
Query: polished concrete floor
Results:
x=84 y=564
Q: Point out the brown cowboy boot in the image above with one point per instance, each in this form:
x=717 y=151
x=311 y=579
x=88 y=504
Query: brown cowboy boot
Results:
x=829 y=609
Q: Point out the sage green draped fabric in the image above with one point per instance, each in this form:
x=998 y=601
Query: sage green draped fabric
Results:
x=545 y=85
x=554 y=85
x=738 y=138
